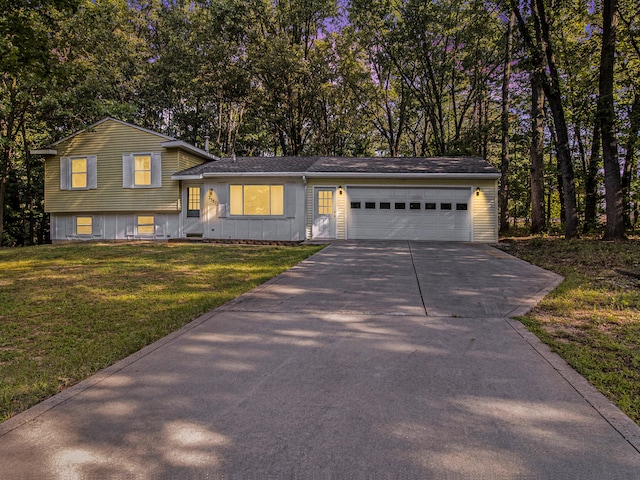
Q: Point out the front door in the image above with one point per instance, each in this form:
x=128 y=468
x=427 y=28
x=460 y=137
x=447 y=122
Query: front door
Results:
x=324 y=213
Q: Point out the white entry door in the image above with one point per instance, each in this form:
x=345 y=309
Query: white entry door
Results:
x=324 y=213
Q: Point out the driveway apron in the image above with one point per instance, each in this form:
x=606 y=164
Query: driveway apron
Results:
x=368 y=360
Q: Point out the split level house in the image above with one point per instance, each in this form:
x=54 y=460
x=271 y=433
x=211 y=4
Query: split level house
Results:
x=117 y=181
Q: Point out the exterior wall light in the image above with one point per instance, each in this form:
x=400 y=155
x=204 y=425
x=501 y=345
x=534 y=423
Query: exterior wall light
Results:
x=340 y=190
x=477 y=191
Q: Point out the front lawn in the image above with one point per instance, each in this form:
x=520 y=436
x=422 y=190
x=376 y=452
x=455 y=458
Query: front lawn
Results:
x=593 y=318
x=68 y=311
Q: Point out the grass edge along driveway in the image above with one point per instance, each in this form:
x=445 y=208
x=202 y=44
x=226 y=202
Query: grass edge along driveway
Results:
x=592 y=319
x=67 y=311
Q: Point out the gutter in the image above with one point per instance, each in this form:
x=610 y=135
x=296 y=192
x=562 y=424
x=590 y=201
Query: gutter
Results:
x=238 y=174
x=44 y=151
x=190 y=148
x=479 y=176
x=305 y=175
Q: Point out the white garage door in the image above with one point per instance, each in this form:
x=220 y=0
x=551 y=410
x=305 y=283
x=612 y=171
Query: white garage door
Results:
x=409 y=213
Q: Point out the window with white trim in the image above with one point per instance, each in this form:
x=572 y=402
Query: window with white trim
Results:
x=263 y=200
x=84 y=225
x=145 y=225
x=78 y=173
x=141 y=170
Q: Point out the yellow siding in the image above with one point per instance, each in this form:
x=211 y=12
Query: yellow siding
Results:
x=109 y=141
x=485 y=212
x=484 y=207
x=309 y=204
x=187 y=160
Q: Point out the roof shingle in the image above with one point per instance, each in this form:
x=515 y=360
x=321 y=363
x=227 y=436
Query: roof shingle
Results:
x=347 y=165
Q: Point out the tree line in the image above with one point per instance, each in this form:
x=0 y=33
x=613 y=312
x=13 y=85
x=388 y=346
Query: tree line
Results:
x=547 y=91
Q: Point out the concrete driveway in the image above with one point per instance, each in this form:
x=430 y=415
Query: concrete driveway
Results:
x=368 y=360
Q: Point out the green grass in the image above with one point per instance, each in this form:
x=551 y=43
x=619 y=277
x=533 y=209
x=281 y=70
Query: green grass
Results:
x=593 y=318
x=68 y=311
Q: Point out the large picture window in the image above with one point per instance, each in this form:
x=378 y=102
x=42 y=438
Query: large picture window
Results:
x=256 y=199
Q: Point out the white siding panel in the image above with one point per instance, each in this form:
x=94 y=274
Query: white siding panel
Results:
x=222 y=225
x=420 y=223
x=113 y=226
x=482 y=209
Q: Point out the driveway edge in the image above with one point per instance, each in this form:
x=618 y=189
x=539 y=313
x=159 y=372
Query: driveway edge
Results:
x=38 y=409
x=605 y=407
x=615 y=417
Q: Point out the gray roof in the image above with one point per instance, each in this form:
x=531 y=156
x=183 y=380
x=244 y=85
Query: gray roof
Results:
x=327 y=166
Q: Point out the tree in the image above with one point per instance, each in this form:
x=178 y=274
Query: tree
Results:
x=504 y=158
x=281 y=64
x=591 y=183
x=606 y=118
x=629 y=50
x=340 y=120
x=385 y=97
x=542 y=57
x=446 y=56
x=27 y=62
x=538 y=222
x=196 y=83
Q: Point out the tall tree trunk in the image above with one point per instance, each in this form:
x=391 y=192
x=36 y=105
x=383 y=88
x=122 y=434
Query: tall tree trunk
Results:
x=591 y=183
x=613 y=193
x=563 y=211
x=4 y=172
x=538 y=223
x=552 y=91
x=504 y=163
x=5 y=154
x=630 y=164
x=542 y=57
x=31 y=221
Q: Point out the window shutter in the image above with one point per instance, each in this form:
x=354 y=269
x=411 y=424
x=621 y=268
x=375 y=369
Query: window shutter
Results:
x=290 y=200
x=69 y=226
x=156 y=170
x=53 y=227
x=127 y=172
x=97 y=225
x=160 y=223
x=92 y=172
x=131 y=225
x=65 y=173
x=223 y=198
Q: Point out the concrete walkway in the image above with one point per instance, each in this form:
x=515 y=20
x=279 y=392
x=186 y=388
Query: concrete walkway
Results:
x=368 y=360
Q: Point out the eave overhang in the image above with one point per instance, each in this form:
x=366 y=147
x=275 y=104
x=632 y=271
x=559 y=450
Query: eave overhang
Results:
x=415 y=176
x=44 y=151
x=434 y=176
x=237 y=174
x=189 y=148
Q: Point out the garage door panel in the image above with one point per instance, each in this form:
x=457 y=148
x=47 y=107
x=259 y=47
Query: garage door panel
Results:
x=452 y=223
